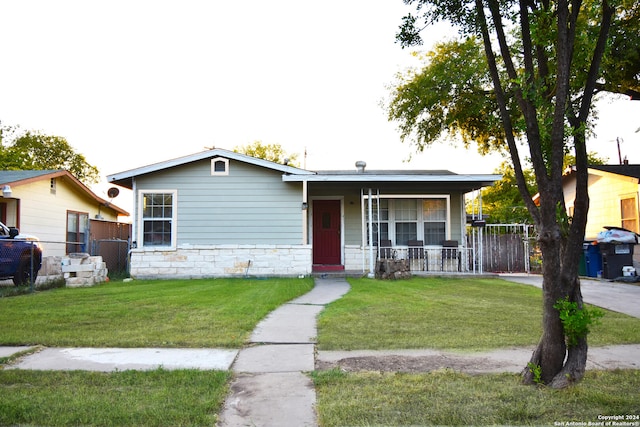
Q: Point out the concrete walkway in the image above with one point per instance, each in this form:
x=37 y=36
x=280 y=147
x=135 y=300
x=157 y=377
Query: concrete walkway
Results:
x=270 y=387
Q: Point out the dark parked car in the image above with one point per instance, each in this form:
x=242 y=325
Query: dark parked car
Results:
x=20 y=256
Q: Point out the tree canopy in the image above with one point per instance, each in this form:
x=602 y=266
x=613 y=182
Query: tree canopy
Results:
x=502 y=202
x=36 y=151
x=522 y=78
x=451 y=96
x=621 y=65
x=272 y=152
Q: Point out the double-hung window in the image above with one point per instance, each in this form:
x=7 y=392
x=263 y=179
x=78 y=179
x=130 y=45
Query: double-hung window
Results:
x=629 y=213
x=380 y=216
x=434 y=215
x=77 y=226
x=158 y=218
x=401 y=219
x=406 y=220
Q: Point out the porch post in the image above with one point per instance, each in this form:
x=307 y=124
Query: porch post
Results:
x=305 y=214
x=370 y=220
x=481 y=230
x=135 y=236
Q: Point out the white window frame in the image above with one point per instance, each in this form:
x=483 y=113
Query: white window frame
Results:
x=446 y=220
x=420 y=211
x=81 y=230
x=634 y=204
x=174 y=216
x=213 y=166
x=394 y=220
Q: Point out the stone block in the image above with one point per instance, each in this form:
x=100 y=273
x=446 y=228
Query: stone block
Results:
x=76 y=268
x=392 y=269
x=84 y=274
x=76 y=282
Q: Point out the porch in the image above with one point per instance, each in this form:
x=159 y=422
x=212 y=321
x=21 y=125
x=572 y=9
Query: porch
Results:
x=419 y=258
x=493 y=248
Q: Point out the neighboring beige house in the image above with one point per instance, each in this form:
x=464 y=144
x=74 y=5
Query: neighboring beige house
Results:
x=54 y=206
x=613 y=195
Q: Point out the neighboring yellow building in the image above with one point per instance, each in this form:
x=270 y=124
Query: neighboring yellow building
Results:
x=54 y=206
x=613 y=197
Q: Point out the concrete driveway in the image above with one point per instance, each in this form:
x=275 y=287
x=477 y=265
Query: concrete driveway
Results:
x=614 y=296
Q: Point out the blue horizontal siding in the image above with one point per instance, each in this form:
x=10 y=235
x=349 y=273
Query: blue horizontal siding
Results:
x=251 y=205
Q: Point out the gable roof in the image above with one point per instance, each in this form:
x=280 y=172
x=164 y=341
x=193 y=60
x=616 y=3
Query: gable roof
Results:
x=466 y=182
x=125 y=178
x=626 y=170
x=23 y=177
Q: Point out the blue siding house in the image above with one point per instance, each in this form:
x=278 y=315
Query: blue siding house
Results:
x=220 y=213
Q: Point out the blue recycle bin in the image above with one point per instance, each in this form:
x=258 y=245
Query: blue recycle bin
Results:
x=592 y=259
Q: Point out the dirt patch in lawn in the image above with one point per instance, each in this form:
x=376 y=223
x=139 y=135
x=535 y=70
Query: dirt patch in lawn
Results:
x=415 y=364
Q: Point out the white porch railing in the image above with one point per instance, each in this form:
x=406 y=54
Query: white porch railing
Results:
x=434 y=259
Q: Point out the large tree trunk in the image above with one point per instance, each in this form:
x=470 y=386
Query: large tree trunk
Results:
x=560 y=365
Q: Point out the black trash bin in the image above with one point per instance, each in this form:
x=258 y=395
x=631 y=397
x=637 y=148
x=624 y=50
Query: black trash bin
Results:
x=614 y=257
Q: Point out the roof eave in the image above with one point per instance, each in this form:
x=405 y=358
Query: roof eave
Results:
x=483 y=180
x=75 y=182
x=125 y=178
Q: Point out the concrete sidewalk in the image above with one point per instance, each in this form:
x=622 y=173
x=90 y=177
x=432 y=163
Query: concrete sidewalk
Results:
x=121 y=359
x=490 y=362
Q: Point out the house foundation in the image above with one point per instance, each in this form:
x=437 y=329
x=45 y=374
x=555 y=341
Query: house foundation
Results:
x=191 y=262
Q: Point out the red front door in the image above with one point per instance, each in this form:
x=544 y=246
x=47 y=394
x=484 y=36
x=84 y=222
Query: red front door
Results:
x=326 y=232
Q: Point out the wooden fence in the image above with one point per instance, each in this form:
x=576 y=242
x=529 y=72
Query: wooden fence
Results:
x=506 y=248
x=111 y=240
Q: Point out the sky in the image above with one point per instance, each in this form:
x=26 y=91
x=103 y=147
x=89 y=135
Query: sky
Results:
x=135 y=82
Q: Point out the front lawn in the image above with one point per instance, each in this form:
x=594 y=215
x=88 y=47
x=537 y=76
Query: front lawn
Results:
x=463 y=314
x=466 y=314
x=446 y=398
x=125 y=398
x=210 y=313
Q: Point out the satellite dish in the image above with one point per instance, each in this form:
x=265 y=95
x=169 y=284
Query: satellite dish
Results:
x=113 y=192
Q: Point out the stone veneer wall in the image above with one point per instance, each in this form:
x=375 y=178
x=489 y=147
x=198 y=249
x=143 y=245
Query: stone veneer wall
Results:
x=353 y=259
x=221 y=261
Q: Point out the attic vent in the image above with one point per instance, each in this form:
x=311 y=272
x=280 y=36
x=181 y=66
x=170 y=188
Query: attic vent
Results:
x=219 y=166
x=360 y=165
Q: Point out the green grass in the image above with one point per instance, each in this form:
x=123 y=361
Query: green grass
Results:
x=129 y=398
x=461 y=314
x=172 y=313
x=449 y=398
x=465 y=314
